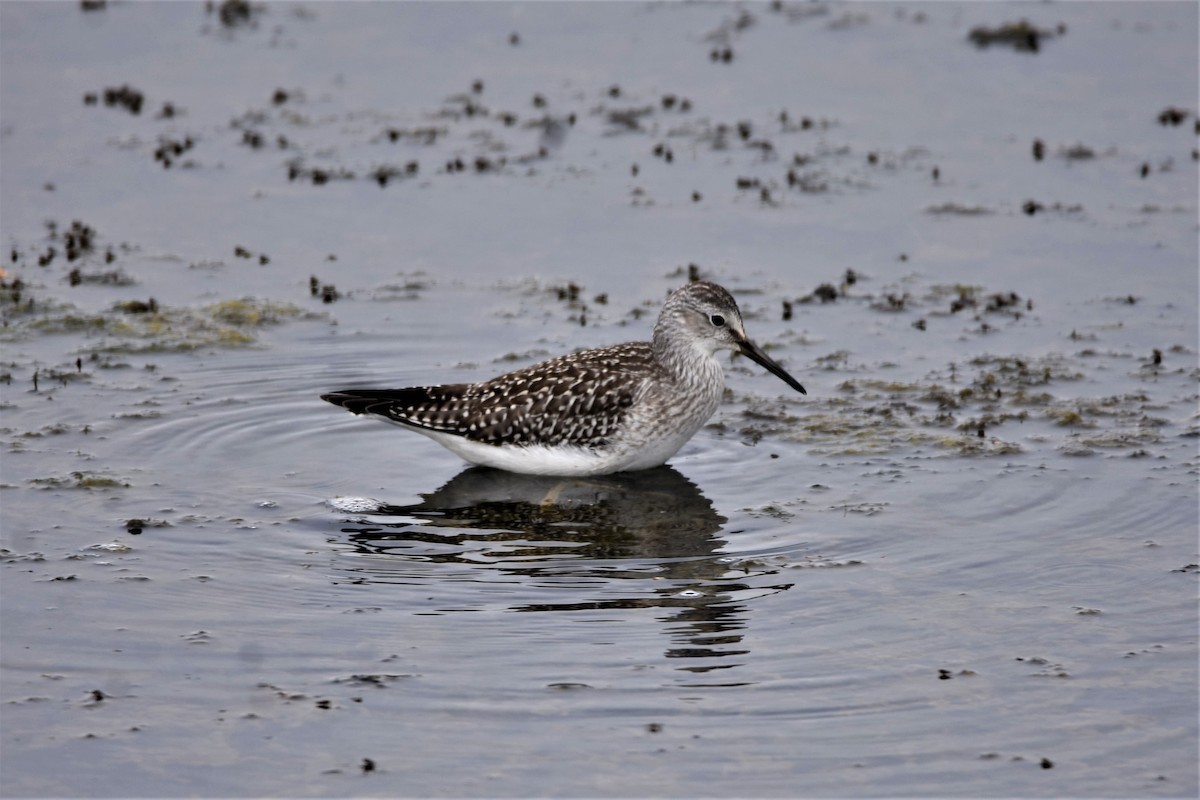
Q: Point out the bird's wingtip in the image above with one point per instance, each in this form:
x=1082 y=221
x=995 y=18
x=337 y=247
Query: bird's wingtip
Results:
x=342 y=399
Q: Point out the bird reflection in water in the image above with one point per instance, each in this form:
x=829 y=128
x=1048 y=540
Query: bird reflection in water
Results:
x=616 y=532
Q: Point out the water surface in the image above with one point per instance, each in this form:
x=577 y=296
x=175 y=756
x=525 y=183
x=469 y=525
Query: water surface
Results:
x=963 y=565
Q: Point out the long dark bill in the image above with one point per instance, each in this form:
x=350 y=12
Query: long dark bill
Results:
x=754 y=353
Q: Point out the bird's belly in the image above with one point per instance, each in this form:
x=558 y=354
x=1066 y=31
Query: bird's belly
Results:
x=642 y=445
x=534 y=459
x=653 y=430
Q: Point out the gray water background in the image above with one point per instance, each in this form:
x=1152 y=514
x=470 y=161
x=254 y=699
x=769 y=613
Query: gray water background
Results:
x=963 y=565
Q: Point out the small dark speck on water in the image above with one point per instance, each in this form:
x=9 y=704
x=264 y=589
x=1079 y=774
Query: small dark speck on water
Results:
x=1172 y=116
x=368 y=765
x=826 y=293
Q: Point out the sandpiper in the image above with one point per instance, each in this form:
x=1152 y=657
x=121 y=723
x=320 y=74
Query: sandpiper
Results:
x=610 y=409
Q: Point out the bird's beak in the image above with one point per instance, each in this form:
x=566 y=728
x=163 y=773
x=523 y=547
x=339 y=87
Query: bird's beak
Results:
x=754 y=353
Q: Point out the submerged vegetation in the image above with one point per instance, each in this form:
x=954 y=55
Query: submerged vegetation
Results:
x=136 y=326
x=991 y=405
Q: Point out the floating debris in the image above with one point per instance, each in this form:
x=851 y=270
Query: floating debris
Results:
x=1022 y=36
x=238 y=13
x=1172 y=116
x=82 y=479
x=123 y=96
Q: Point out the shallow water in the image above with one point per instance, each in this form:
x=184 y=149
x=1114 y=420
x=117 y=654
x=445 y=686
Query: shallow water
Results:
x=963 y=565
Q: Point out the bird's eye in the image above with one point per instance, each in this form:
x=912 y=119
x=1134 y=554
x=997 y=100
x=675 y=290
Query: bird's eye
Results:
x=717 y=320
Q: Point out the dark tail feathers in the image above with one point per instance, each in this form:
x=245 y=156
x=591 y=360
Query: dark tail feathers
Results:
x=362 y=401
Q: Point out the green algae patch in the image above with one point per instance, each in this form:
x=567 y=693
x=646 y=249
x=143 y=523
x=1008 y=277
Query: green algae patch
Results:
x=70 y=322
x=1019 y=372
x=81 y=480
x=772 y=510
x=1068 y=418
x=1121 y=438
x=251 y=313
x=855 y=432
x=958 y=411
x=56 y=429
x=145 y=326
x=19 y=305
x=976 y=446
x=868 y=385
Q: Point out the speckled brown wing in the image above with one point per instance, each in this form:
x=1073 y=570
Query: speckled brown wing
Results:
x=579 y=399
